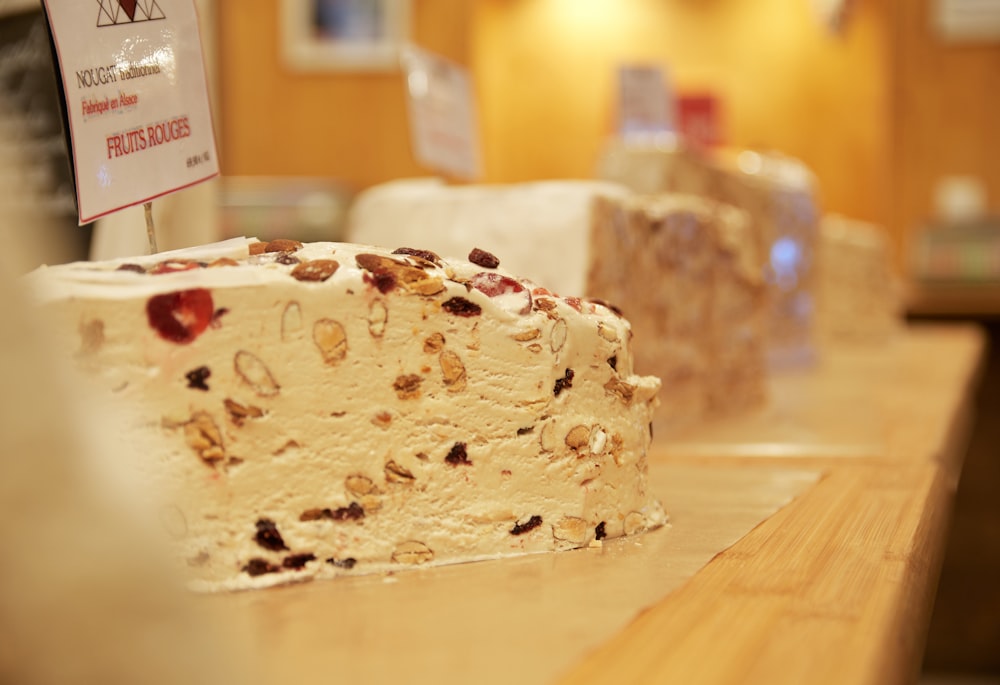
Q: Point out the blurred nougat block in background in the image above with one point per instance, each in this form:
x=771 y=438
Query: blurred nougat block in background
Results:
x=684 y=269
x=858 y=296
x=686 y=272
x=538 y=230
x=780 y=196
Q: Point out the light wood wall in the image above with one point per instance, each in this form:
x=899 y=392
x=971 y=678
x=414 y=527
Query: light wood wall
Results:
x=350 y=126
x=878 y=111
x=946 y=116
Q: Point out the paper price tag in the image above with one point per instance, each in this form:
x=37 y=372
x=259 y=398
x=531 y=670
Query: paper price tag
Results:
x=136 y=100
x=442 y=114
x=645 y=102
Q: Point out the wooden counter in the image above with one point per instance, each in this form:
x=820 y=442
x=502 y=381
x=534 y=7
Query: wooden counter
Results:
x=778 y=566
x=837 y=587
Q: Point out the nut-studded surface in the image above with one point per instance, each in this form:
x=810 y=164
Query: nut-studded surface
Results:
x=361 y=417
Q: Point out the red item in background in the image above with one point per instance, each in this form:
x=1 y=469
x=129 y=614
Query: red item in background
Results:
x=698 y=119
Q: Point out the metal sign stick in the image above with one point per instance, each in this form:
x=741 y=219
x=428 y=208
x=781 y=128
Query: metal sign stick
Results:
x=150 y=231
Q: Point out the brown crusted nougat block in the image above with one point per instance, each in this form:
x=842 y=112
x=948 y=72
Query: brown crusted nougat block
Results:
x=687 y=272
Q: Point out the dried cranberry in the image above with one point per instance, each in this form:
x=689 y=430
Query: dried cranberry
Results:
x=180 y=316
x=352 y=512
x=493 y=284
x=258 y=567
x=196 y=378
x=514 y=295
x=423 y=254
x=383 y=280
x=217 y=316
x=457 y=455
x=287 y=258
x=268 y=536
x=564 y=383
x=297 y=561
x=347 y=563
x=459 y=306
x=530 y=524
x=483 y=258
x=599 y=533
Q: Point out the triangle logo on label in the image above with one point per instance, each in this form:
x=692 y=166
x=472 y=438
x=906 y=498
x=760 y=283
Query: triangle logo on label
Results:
x=113 y=12
x=129 y=7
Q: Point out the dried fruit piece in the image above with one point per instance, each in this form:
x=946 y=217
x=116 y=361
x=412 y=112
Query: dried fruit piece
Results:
x=407 y=386
x=347 y=563
x=204 y=437
x=564 y=383
x=258 y=567
x=197 y=378
x=387 y=272
x=352 y=512
x=509 y=294
x=331 y=339
x=530 y=524
x=170 y=266
x=599 y=532
x=297 y=561
x=453 y=371
x=255 y=373
x=434 y=343
x=315 y=270
x=180 y=316
x=426 y=255
x=91 y=337
x=286 y=258
x=378 y=316
x=457 y=455
x=620 y=389
x=239 y=413
x=283 y=245
x=559 y=332
x=483 y=258
x=291 y=321
x=578 y=437
x=394 y=473
x=571 y=529
x=459 y=306
x=268 y=537
x=412 y=552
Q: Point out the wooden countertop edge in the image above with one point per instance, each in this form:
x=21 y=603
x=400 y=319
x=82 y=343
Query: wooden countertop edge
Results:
x=849 y=574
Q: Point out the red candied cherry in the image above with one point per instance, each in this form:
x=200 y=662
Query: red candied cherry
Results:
x=513 y=295
x=173 y=266
x=180 y=316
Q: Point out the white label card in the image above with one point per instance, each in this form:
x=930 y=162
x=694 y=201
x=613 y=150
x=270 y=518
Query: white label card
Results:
x=645 y=103
x=442 y=113
x=136 y=98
